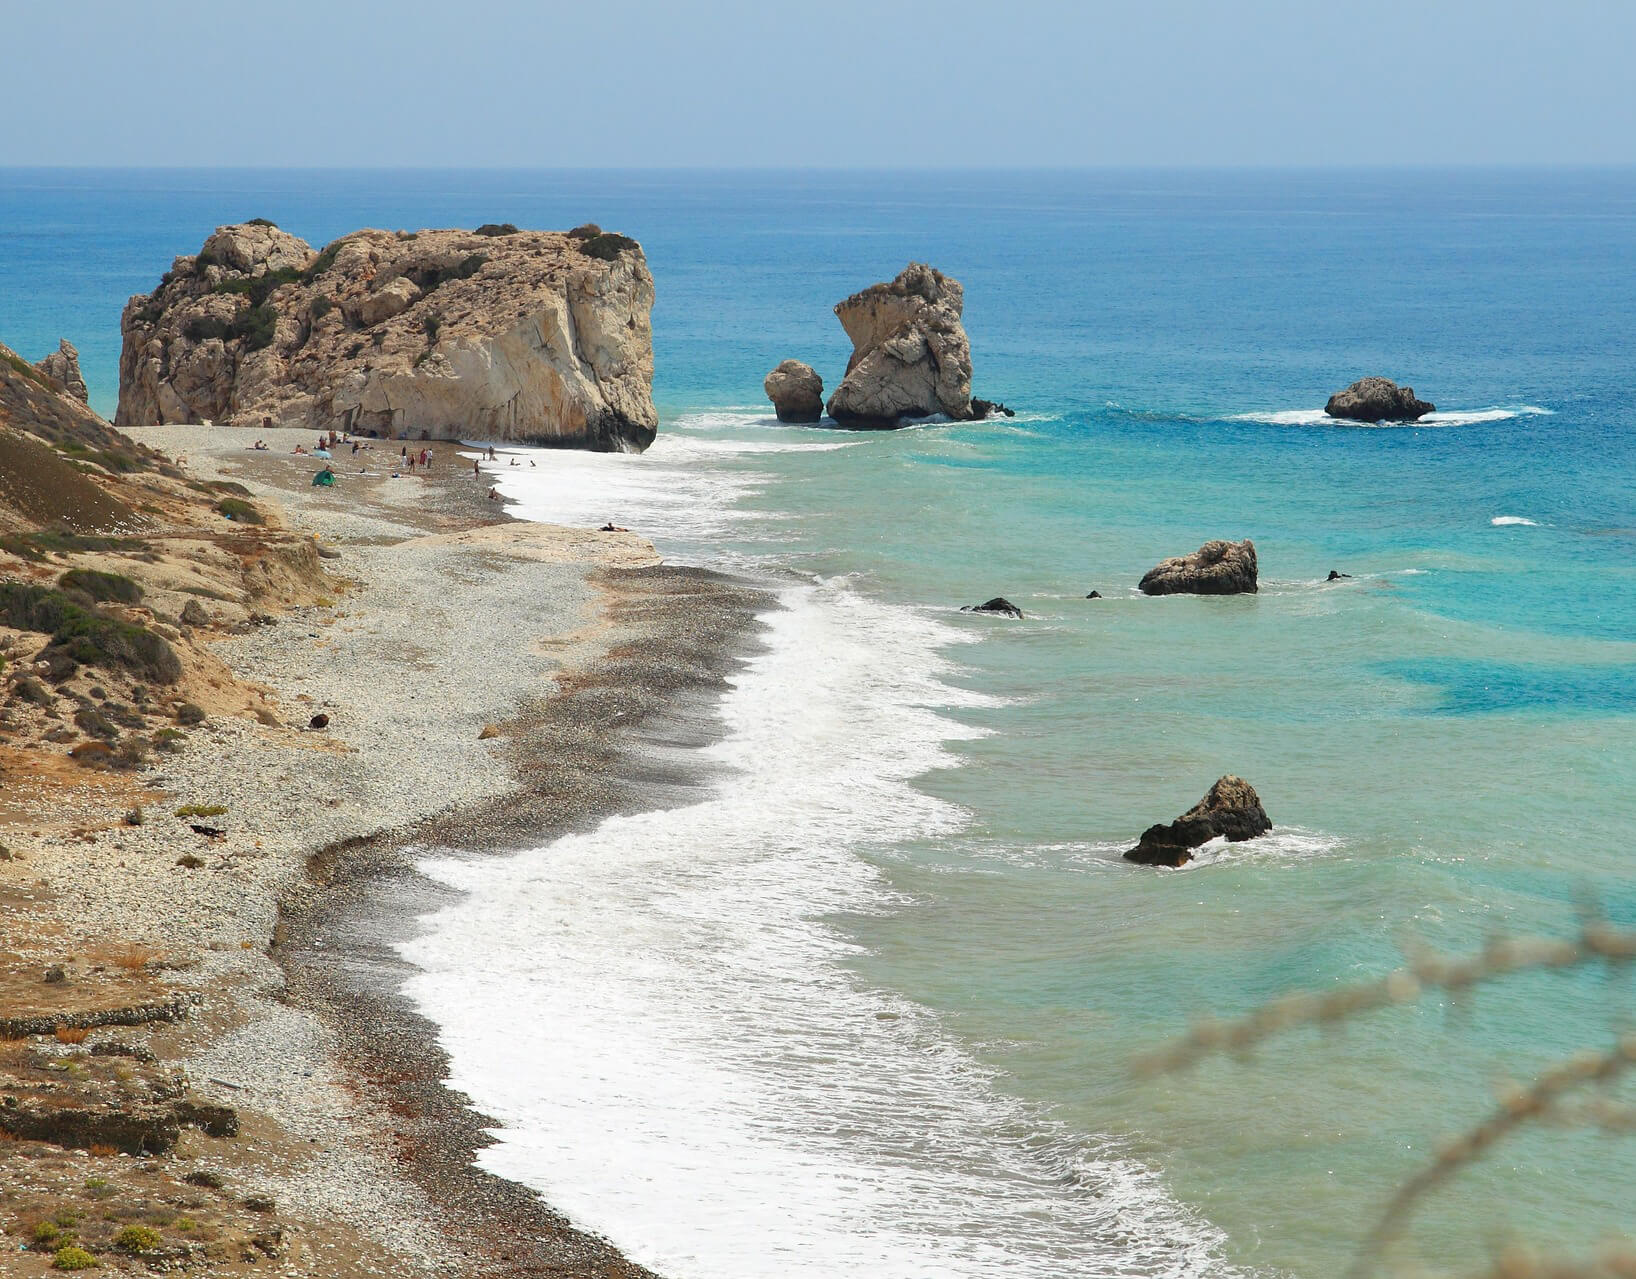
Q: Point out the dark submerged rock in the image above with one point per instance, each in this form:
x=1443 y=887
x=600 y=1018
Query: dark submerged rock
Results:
x=1216 y=568
x=999 y=605
x=981 y=409
x=1231 y=809
x=1378 y=399
x=1094 y=595
x=1335 y=575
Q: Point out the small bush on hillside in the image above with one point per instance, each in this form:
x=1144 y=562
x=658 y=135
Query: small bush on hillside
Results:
x=201 y=810
x=201 y=328
x=188 y=713
x=585 y=231
x=101 y=586
x=137 y=1239
x=321 y=306
x=256 y=326
x=74 y=1257
x=321 y=263
x=497 y=228
x=95 y=724
x=238 y=510
x=261 y=287
x=607 y=245
x=84 y=635
x=262 y=222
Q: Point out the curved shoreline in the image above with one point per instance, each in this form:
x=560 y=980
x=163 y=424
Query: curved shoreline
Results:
x=610 y=725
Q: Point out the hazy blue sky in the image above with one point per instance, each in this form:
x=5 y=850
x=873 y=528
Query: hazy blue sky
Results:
x=833 y=82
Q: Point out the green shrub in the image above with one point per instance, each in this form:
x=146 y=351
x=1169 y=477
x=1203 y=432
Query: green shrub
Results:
x=85 y=635
x=205 y=258
x=585 y=231
x=497 y=228
x=190 y=714
x=137 y=1239
x=131 y=753
x=56 y=541
x=321 y=306
x=95 y=724
x=119 y=461
x=228 y=486
x=238 y=510
x=47 y=1232
x=321 y=263
x=256 y=326
x=74 y=1257
x=31 y=690
x=430 y=278
x=26 y=369
x=101 y=586
x=607 y=246
x=201 y=810
x=201 y=328
x=262 y=222
x=260 y=287
x=168 y=740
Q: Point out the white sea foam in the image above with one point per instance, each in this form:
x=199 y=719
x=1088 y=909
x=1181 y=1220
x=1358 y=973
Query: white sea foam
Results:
x=660 y=1016
x=667 y=1033
x=1502 y=520
x=1454 y=417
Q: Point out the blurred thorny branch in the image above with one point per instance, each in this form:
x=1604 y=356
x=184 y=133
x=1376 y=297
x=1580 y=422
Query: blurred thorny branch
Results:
x=1548 y=1099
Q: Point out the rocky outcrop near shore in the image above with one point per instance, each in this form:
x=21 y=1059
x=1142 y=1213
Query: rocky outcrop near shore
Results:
x=1230 y=809
x=797 y=392
x=1378 y=399
x=536 y=337
x=910 y=354
x=1216 y=568
x=62 y=366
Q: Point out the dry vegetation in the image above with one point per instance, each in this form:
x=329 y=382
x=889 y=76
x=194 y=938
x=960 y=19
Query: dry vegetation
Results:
x=1568 y=1092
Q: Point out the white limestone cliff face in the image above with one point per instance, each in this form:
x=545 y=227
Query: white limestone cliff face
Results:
x=529 y=336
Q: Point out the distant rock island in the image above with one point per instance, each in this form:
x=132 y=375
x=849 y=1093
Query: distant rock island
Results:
x=911 y=359
x=1377 y=399
x=537 y=337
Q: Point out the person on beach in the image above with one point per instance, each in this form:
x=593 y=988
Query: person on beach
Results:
x=476 y=467
x=354 y=448
x=494 y=495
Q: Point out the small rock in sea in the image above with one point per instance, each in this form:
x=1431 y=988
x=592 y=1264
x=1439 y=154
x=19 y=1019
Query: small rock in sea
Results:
x=1377 y=399
x=1231 y=809
x=190 y=861
x=981 y=409
x=797 y=392
x=1216 y=568
x=320 y=720
x=999 y=605
x=1094 y=595
x=1335 y=576
x=55 y=974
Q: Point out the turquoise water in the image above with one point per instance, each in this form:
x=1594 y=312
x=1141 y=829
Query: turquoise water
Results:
x=1444 y=741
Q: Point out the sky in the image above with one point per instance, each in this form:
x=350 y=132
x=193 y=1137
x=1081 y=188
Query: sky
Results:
x=831 y=83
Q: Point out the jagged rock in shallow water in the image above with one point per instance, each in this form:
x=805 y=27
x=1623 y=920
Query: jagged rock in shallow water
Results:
x=540 y=337
x=1378 y=399
x=62 y=366
x=1216 y=568
x=1231 y=809
x=797 y=392
x=998 y=605
x=910 y=354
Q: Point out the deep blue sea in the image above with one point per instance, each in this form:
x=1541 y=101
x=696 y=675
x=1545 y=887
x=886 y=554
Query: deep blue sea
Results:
x=871 y=1005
